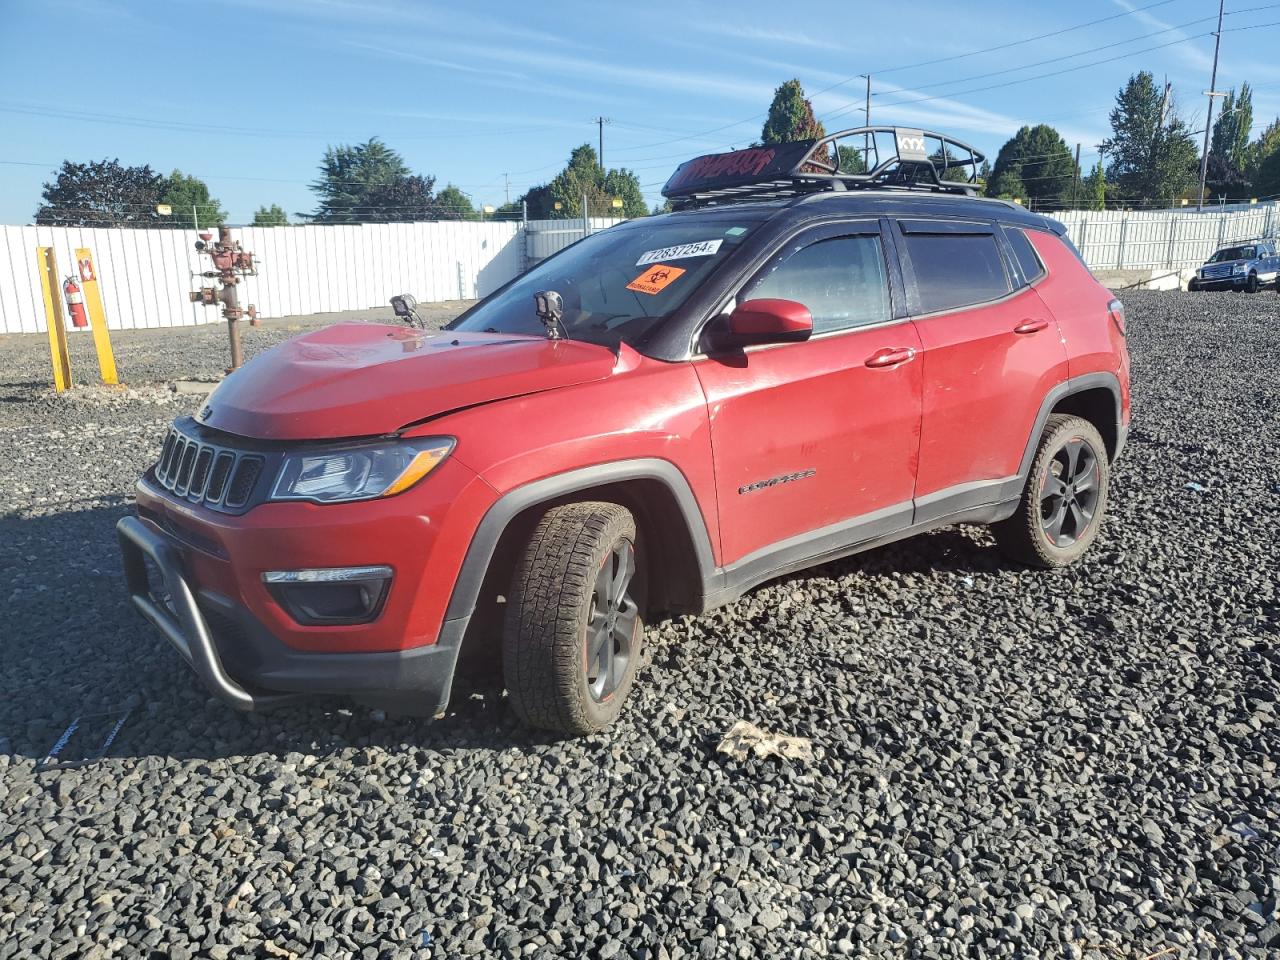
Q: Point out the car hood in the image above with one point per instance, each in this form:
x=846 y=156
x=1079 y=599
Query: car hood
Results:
x=364 y=379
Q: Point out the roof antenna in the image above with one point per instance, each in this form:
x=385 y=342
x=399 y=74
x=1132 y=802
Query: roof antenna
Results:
x=549 y=306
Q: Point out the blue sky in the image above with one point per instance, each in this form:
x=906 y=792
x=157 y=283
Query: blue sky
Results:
x=247 y=93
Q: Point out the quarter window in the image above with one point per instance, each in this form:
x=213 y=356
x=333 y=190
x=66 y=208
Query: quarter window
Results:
x=1025 y=253
x=842 y=281
x=955 y=269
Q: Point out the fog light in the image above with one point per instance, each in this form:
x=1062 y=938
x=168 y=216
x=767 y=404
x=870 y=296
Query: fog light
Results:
x=330 y=596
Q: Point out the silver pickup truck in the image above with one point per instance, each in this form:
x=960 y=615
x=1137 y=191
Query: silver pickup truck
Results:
x=1242 y=266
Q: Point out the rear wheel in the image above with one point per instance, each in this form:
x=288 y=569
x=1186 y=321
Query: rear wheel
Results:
x=571 y=643
x=1064 y=499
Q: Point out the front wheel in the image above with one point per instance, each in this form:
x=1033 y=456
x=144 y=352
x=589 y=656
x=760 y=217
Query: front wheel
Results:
x=571 y=643
x=1193 y=285
x=1251 y=285
x=1064 y=498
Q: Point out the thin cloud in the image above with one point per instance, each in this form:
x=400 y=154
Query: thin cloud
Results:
x=434 y=62
x=1188 y=53
x=765 y=35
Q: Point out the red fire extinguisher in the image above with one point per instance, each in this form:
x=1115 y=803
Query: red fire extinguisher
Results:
x=75 y=302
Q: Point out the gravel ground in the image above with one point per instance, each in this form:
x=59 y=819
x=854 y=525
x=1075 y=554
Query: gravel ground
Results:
x=1006 y=762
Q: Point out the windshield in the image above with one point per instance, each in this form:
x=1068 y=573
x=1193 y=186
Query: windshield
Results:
x=618 y=285
x=1234 y=253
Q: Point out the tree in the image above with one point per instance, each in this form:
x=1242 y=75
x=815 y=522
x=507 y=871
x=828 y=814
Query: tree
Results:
x=790 y=116
x=1231 y=129
x=580 y=178
x=1267 y=183
x=189 y=198
x=622 y=184
x=1040 y=159
x=361 y=182
x=851 y=160
x=272 y=216
x=1222 y=179
x=1094 y=193
x=1007 y=186
x=537 y=202
x=1153 y=155
x=1268 y=142
x=102 y=194
x=453 y=204
x=404 y=198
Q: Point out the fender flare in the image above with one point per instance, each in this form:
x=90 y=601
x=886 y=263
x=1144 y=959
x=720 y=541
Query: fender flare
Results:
x=475 y=566
x=1074 y=385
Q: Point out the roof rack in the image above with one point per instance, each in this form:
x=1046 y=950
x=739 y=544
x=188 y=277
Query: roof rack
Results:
x=780 y=170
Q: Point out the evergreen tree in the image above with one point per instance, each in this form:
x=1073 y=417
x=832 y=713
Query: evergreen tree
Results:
x=791 y=116
x=1231 y=129
x=369 y=182
x=1094 y=194
x=1153 y=155
x=1039 y=158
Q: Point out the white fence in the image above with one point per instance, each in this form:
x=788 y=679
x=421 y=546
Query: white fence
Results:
x=1173 y=239
x=146 y=275
x=546 y=237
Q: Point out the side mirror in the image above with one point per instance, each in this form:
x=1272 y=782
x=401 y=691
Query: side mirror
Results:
x=770 y=321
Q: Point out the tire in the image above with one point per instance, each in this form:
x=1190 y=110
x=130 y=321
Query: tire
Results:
x=1051 y=528
x=1251 y=285
x=573 y=633
x=1193 y=285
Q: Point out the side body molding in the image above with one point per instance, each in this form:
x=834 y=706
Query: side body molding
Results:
x=475 y=565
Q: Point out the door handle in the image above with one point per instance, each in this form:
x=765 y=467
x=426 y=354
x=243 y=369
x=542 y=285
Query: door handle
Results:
x=1031 y=326
x=891 y=356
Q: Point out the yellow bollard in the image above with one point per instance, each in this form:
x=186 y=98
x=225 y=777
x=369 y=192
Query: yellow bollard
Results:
x=97 y=315
x=47 y=264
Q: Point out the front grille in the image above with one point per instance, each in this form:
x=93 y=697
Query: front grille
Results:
x=1216 y=272
x=206 y=472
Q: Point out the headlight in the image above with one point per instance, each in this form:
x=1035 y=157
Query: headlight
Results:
x=359 y=473
x=1240 y=269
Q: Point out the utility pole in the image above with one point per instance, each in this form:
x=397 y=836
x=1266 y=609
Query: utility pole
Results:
x=506 y=179
x=600 y=122
x=1208 y=123
x=866 y=122
x=1075 y=183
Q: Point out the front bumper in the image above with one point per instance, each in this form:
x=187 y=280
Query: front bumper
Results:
x=1221 y=283
x=247 y=668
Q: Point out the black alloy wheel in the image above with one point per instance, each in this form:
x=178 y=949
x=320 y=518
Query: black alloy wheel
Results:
x=1064 y=496
x=1069 y=493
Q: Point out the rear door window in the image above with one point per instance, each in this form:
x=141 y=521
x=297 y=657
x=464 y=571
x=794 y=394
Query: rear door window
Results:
x=952 y=266
x=1025 y=254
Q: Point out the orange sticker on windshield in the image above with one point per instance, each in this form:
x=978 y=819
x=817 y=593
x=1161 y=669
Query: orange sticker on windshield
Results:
x=655 y=279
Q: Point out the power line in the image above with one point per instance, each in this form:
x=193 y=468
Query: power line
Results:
x=912 y=66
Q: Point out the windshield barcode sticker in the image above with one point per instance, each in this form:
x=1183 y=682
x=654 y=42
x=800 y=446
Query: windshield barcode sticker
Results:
x=682 y=251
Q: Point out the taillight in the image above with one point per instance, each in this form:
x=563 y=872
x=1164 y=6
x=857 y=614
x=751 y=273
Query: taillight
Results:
x=1116 y=309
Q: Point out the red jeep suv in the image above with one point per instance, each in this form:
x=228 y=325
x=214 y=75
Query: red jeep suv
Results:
x=798 y=363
